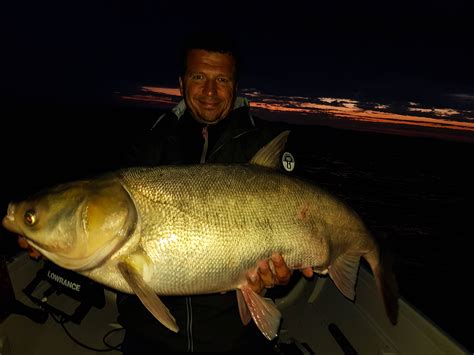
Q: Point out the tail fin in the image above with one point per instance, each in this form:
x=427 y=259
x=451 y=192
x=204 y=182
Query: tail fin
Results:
x=386 y=283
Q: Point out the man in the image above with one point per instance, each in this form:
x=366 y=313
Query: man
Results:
x=211 y=125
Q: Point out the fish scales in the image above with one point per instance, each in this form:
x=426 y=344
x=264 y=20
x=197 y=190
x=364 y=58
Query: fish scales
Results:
x=205 y=226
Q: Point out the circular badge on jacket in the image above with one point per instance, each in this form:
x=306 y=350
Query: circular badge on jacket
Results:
x=288 y=161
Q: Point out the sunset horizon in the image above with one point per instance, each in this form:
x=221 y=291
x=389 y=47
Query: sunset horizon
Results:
x=411 y=119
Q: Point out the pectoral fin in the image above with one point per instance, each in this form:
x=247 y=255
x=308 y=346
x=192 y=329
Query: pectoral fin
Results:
x=243 y=309
x=263 y=311
x=344 y=273
x=130 y=271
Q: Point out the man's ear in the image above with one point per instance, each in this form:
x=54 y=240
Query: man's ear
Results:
x=181 y=86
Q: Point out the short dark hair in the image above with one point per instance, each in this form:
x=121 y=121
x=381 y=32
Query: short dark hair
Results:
x=212 y=42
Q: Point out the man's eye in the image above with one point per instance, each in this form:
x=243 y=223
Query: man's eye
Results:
x=223 y=80
x=197 y=77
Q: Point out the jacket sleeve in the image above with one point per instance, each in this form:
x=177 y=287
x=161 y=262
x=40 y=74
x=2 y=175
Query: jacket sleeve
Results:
x=147 y=148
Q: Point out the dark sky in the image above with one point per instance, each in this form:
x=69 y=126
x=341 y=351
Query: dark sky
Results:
x=89 y=49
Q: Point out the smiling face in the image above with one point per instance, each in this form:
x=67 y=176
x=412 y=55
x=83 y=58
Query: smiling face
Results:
x=209 y=85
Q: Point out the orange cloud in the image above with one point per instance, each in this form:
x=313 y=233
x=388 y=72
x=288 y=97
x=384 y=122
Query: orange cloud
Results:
x=159 y=90
x=344 y=109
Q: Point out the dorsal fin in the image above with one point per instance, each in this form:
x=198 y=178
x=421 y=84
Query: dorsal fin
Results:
x=269 y=155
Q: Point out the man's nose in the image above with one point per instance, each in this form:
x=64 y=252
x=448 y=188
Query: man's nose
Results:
x=210 y=88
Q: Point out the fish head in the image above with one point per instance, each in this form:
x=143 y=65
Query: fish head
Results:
x=76 y=225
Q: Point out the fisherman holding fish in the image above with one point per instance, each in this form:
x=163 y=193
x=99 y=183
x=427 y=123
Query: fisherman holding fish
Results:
x=211 y=125
x=195 y=230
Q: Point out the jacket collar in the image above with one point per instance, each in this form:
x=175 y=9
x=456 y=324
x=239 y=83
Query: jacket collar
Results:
x=180 y=108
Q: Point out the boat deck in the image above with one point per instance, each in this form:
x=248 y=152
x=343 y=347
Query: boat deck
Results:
x=22 y=336
x=314 y=313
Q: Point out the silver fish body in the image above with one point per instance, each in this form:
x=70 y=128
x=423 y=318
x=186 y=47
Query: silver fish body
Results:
x=205 y=226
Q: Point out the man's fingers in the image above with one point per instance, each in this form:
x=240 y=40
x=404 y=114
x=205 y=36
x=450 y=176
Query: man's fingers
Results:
x=22 y=242
x=33 y=253
x=308 y=272
x=266 y=274
x=282 y=272
x=255 y=282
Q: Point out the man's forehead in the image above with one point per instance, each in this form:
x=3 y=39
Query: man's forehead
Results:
x=199 y=59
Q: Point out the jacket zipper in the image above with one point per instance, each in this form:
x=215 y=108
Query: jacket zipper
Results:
x=205 y=135
x=189 y=324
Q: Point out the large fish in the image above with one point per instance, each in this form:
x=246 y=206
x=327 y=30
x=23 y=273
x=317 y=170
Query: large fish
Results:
x=198 y=229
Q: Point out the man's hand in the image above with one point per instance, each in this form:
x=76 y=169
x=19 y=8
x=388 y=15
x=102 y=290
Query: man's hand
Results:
x=264 y=277
x=33 y=253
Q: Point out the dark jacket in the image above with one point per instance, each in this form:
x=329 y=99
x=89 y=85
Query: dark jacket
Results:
x=207 y=322
x=176 y=138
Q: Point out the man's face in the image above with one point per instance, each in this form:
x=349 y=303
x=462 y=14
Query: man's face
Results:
x=209 y=85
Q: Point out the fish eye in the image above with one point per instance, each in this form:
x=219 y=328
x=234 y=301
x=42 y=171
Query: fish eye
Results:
x=30 y=217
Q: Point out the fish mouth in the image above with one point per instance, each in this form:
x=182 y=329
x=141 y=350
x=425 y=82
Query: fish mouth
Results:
x=8 y=221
